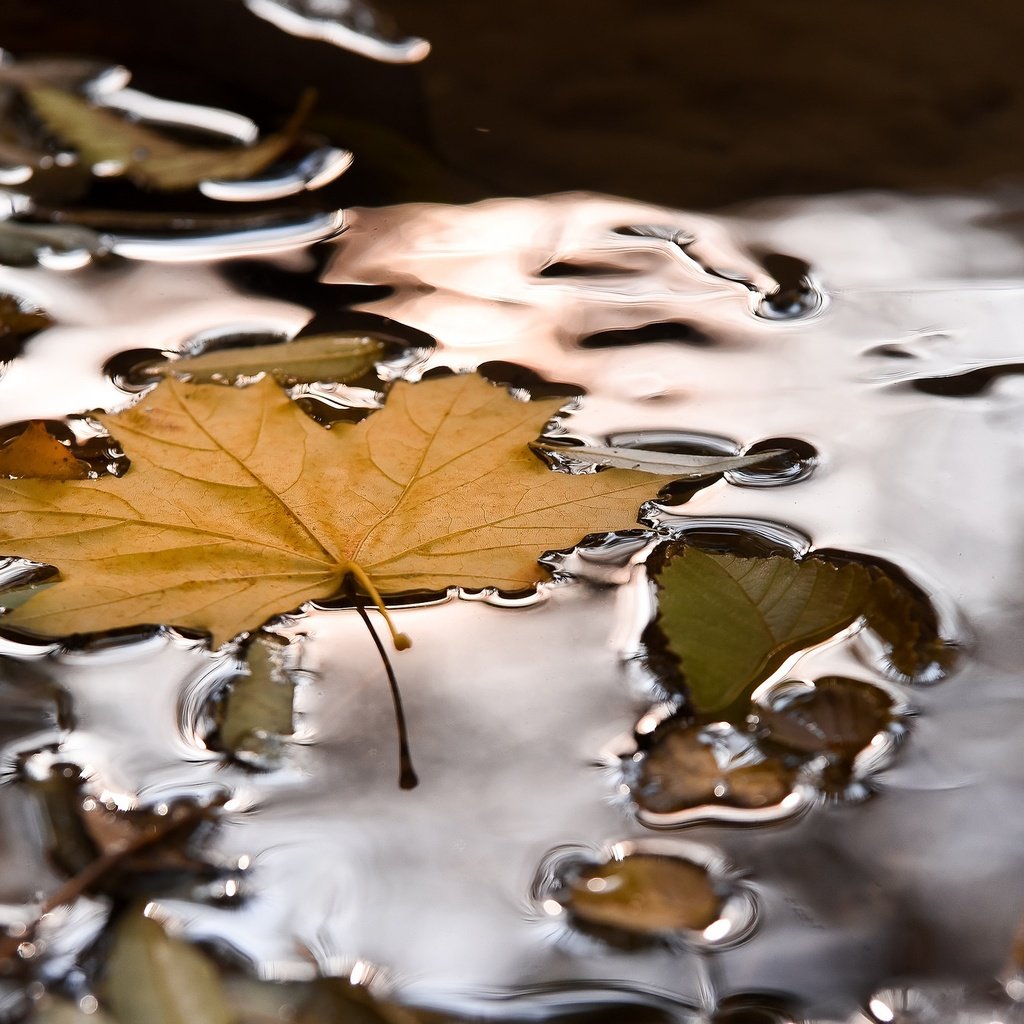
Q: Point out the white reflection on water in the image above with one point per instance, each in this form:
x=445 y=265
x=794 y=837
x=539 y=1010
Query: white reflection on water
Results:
x=510 y=708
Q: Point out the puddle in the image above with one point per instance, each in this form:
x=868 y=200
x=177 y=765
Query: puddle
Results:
x=886 y=362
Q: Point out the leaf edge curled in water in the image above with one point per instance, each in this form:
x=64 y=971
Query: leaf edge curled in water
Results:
x=708 y=615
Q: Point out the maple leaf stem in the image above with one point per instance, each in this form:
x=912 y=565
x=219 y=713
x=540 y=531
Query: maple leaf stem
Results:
x=401 y=640
x=407 y=777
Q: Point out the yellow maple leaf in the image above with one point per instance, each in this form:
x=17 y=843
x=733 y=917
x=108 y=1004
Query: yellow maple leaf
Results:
x=237 y=507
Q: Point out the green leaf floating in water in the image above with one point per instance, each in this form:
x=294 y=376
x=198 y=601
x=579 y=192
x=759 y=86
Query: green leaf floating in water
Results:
x=149 y=158
x=644 y=894
x=338 y=358
x=154 y=978
x=726 y=622
x=258 y=707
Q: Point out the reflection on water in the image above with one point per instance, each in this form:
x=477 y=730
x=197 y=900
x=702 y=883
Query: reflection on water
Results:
x=513 y=705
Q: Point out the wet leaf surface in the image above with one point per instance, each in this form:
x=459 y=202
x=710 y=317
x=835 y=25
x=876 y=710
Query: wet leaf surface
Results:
x=764 y=784
x=680 y=771
x=258 y=707
x=726 y=622
x=644 y=894
x=38 y=454
x=17 y=321
x=149 y=158
x=838 y=717
x=237 y=507
x=154 y=978
x=338 y=358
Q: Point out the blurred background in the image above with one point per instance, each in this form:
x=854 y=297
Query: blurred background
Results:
x=691 y=103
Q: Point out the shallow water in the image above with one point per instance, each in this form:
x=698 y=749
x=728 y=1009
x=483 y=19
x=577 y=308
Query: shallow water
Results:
x=513 y=706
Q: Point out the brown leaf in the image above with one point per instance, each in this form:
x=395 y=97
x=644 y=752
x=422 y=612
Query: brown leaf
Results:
x=38 y=454
x=238 y=507
x=838 y=717
x=108 y=849
x=149 y=158
x=644 y=894
x=679 y=771
x=18 y=322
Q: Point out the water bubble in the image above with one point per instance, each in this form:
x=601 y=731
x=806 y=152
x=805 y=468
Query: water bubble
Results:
x=797 y=464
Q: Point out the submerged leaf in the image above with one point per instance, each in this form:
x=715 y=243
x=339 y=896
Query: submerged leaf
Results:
x=681 y=467
x=645 y=894
x=321 y=1001
x=38 y=454
x=116 y=851
x=680 y=771
x=105 y=849
x=154 y=978
x=259 y=704
x=726 y=622
x=336 y=999
x=838 y=717
x=18 y=322
x=149 y=158
x=336 y=358
x=238 y=507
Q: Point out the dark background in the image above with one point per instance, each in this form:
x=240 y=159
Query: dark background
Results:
x=692 y=103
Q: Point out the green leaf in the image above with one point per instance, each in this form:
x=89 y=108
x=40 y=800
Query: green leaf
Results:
x=727 y=622
x=150 y=159
x=644 y=894
x=258 y=706
x=153 y=978
x=320 y=357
